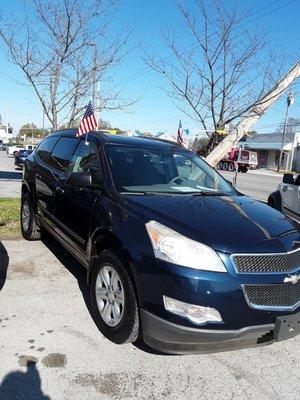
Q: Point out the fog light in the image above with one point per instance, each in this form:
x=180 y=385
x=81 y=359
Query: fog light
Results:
x=196 y=314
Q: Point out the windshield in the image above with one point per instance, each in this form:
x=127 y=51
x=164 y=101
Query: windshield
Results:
x=155 y=170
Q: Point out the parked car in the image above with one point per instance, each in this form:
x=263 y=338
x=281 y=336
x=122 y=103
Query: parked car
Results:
x=30 y=146
x=174 y=254
x=3 y=146
x=287 y=196
x=21 y=156
x=11 y=149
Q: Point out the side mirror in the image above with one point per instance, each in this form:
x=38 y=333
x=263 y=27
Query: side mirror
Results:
x=288 y=178
x=80 y=179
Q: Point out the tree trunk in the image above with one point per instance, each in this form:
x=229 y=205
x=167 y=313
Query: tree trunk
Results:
x=253 y=116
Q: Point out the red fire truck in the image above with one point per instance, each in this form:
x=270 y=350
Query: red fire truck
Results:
x=238 y=158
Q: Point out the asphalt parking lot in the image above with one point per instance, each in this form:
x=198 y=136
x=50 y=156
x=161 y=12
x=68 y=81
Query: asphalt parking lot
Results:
x=10 y=176
x=51 y=348
x=44 y=319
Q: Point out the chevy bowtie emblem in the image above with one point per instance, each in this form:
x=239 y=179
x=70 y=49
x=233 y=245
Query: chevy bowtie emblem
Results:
x=292 y=279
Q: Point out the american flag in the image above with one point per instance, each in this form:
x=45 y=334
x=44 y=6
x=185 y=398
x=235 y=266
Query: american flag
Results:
x=180 y=134
x=88 y=122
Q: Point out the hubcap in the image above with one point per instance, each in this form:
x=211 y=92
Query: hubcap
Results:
x=110 y=295
x=25 y=216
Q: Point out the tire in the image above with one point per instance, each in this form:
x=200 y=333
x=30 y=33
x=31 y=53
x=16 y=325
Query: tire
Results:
x=225 y=166
x=120 y=323
x=231 y=167
x=271 y=202
x=274 y=201
x=244 y=169
x=220 y=166
x=29 y=227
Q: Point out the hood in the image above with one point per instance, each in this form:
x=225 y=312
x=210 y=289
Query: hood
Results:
x=231 y=224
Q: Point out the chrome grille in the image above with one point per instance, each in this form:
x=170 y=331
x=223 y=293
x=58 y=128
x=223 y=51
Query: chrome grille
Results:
x=256 y=263
x=275 y=296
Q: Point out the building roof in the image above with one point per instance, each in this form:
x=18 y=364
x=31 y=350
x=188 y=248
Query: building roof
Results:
x=269 y=141
x=267 y=137
x=267 y=145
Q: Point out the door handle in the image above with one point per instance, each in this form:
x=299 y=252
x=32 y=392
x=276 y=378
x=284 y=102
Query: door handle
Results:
x=60 y=190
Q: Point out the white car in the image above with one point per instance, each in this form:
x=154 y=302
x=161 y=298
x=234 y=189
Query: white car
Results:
x=287 y=196
x=11 y=149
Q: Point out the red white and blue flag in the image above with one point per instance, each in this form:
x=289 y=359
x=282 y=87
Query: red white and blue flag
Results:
x=180 y=134
x=88 y=122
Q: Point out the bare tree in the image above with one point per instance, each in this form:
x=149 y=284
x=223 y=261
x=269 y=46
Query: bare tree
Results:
x=63 y=48
x=225 y=71
x=292 y=126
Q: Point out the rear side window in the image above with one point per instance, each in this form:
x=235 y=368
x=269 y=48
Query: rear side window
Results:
x=45 y=147
x=62 y=153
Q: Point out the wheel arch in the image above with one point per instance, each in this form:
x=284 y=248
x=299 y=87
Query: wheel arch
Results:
x=275 y=201
x=25 y=188
x=104 y=239
x=28 y=189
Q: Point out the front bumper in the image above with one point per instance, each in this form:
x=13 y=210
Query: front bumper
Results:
x=171 y=338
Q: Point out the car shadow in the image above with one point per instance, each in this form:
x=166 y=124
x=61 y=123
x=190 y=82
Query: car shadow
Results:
x=23 y=385
x=10 y=175
x=71 y=263
x=4 y=261
x=79 y=272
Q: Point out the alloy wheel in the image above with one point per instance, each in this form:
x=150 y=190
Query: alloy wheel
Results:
x=25 y=216
x=109 y=295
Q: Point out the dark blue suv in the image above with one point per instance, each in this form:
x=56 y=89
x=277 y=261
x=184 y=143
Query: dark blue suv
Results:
x=174 y=254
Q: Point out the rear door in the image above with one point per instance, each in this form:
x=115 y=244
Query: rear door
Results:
x=45 y=180
x=74 y=205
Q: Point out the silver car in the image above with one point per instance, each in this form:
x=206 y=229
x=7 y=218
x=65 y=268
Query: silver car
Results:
x=287 y=196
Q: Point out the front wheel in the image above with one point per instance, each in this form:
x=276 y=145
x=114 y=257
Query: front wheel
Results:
x=29 y=227
x=114 y=304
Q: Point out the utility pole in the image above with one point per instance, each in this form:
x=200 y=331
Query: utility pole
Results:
x=289 y=102
x=253 y=116
x=96 y=86
x=43 y=126
x=6 y=124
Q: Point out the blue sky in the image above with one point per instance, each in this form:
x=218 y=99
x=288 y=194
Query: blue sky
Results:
x=155 y=111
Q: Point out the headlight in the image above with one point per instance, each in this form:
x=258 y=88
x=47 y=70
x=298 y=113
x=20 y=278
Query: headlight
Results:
x=175 y=248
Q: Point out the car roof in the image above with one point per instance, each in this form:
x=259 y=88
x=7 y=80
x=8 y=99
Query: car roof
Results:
x=105 y=137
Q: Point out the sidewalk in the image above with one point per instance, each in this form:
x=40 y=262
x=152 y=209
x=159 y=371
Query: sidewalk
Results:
x=263 y=171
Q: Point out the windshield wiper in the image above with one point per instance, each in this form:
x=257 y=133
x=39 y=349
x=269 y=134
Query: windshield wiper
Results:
x=146 y=193
x=209 y=193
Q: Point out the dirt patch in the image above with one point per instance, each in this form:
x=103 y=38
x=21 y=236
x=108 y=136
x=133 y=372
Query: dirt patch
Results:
x=26 y=268
x=25 y=360
x=55 y=360
x=109 y=384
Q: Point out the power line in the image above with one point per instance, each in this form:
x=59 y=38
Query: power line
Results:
x=146 y=69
